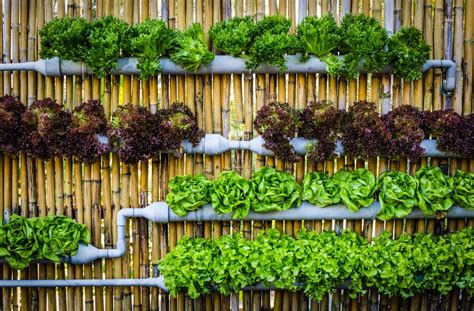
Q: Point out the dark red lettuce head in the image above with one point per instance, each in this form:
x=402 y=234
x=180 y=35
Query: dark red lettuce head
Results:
x=364 y=134
x=11 y=124
x=278 y=123
x=134 y=133
x=177 y=123
x=322 y=121
x=405 y=126
x=88 y=122
x=451 y=130
x=46 y=129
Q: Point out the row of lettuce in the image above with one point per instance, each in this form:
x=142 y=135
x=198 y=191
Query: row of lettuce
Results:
x=270 y=190
x=363 y=131
x=134 y=133
x=359 y=40
x=23 y=240
x=317 y=263
x=46 y=129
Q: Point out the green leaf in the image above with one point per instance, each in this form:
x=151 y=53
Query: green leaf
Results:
x=272 y=190
x=190 y=48
x=357 y=188
x=188 y=193
x=230 y=194
x=397 y=195
x=434 y=190
x=234 y=36
x=318 y=36
x=463 y=189
x=319 y=189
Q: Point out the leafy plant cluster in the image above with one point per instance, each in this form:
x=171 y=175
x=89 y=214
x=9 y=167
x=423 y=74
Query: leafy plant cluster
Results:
x=269 y=190
x=358 y=42
x=362 y=131
x=101 y=42
x=23 y=240
x=46 y=129
x=317 y=263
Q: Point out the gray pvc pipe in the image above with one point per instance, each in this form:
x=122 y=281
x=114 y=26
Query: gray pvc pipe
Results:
x=222 y=64
x=151 y=282
x=213 y=144
x=159 y=212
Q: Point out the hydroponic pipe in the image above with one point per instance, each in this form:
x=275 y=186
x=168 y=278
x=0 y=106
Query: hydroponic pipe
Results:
x=222 y=64
x=213 y=144
x=149 y=282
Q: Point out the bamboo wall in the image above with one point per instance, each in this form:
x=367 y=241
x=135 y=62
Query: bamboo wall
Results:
x=224 y=104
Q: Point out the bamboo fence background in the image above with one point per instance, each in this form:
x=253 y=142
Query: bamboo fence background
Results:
x=224 y=104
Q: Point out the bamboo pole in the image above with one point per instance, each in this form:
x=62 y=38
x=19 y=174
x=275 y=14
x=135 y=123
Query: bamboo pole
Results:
x=418 y=84
x=438 y=44
x=428 y=36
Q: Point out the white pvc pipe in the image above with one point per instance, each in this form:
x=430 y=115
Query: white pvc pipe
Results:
x=222 y=64
x=214 y=144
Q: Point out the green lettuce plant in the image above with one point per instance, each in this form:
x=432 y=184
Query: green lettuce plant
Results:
x=230 y=194
x=188 y=193
x=319 y=189
x=397 y=195
x=318 y=36
x=272 y=190
x=463 y=189
x=190 y=48
x=234 y=36
x=357 y=188
x=434 y=190
x=23 y=240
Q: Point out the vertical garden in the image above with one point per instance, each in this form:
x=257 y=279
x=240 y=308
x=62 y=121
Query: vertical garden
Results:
x=237 y=155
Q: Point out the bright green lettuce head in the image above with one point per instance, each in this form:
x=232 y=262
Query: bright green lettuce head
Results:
x=188 y=193
x=463 y=189
x=230 y=193
x=397 y=195
x=319 y=189
x=272 y=190
x=357 y=188
x=434 y=190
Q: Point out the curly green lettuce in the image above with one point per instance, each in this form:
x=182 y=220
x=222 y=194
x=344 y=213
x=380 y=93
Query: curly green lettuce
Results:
x=319 y=189
x=408 y=52
x=397 y=195
x=230 y=194
x=363 y=42
x=234 y=36
x=434 y=190
x=66 y=38
x=190 y=48
x=188 y=193
x=463 y=189
x=149 y=40
x=318 y=36
x=272 y=190
x=107 y=37
x=357 y=188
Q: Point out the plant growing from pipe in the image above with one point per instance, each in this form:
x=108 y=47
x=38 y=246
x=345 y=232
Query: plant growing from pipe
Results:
x=278 y=123
x=176 y=124
x=234 y=36
x=272 y=190
x=46 y=129
x=397 y=195
x=319 y=189
x=188 y=193
x=463 y=189
x=11 y=124
x=230 y=194
x=321 y=121
x=134 y=133
x=434 y=190
x=357 y=188
x=88 y=121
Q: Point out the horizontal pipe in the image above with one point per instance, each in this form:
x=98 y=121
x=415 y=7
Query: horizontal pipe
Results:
x=222 y=64
x=149 y=282
x=214 y=144
x=159 y=212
